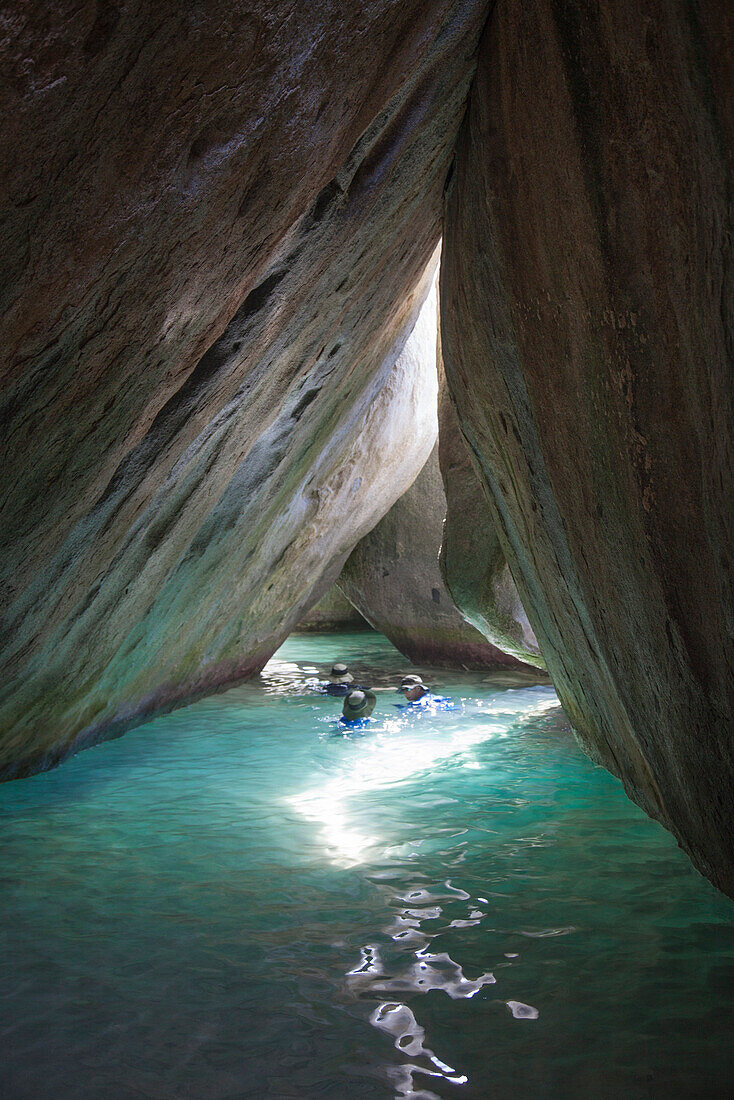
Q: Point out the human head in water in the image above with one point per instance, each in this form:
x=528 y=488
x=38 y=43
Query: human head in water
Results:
x=413 y=688
x=340 y=674
x=358 y=704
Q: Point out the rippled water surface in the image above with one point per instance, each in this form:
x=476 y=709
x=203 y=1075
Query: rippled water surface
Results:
x=236 y=900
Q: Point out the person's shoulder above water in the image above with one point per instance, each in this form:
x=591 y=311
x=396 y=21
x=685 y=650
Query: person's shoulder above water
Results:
x=442 y=702
x=416 y=693
x=429 y=701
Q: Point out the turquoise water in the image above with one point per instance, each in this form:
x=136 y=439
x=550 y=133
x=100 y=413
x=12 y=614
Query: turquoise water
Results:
x=236 y=900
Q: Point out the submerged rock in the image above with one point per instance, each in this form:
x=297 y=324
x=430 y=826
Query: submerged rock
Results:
x=588 y=325
x=215 y=227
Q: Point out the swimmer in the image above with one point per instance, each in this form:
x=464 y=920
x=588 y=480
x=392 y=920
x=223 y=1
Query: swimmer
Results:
x=413 y=688
x=358 y=704
x=340 y=680
x=415 y=691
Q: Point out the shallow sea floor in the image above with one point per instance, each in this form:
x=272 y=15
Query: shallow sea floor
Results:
x=237 y=900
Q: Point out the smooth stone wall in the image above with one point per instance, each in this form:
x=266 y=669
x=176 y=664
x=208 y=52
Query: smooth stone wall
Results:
x=215 y=227
x=588 y=333
x=287 y=519
x=472 y=562
x=393 y=577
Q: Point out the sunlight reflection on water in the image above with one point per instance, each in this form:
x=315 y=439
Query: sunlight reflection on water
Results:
x=386 y=757
x=245 y=899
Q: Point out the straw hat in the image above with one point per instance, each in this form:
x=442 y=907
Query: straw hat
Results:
x=340 y=674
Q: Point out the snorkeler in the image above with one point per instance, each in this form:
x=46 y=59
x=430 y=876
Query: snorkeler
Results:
x=358 y=704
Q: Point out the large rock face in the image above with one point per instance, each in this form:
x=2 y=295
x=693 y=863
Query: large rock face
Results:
x=393 y=577
x=472 y=562
x=215 y=221
x=272 y=543
x=588 y=329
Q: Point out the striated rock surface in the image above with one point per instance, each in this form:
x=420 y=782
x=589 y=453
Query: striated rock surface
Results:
x=215 y=221
x=269 y=547
x=393 y=577
x=588 y=333
x=473 y=565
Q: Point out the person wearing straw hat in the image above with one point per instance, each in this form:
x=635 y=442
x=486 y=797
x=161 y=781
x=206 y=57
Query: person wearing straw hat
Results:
x=340 y=680
x=358 y=705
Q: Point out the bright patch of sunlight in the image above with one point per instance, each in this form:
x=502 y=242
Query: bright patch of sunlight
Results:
x=389 y=757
